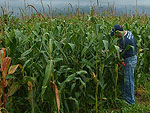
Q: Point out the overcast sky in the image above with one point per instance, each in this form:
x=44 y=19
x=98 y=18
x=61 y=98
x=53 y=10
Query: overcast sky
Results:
x=58 y=3
x=15 y=4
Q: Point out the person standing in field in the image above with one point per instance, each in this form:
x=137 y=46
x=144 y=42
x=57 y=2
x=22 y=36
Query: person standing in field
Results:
x=130 y=61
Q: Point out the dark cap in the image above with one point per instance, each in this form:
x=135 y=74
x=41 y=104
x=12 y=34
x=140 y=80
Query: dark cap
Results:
x=116 y=27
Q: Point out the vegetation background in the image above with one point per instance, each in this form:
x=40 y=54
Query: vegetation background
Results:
x=70 y=63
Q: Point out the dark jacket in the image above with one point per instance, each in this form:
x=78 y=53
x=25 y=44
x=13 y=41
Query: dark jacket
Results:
x=128 y=39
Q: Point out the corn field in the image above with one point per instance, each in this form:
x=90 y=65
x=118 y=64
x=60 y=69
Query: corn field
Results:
x=66 y=64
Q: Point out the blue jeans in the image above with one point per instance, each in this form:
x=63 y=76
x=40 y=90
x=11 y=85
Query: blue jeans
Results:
x=128 y=79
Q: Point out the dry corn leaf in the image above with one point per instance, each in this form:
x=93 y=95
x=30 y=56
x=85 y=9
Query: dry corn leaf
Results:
x=12 y=69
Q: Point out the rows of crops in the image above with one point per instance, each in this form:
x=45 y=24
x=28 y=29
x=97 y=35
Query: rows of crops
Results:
x=67 y=65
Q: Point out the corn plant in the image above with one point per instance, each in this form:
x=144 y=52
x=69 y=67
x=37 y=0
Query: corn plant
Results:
x=70 y=64
x=5 y=70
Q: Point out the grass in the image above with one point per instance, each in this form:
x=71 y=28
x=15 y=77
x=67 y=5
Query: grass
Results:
x=137 y=108
x=142 y=97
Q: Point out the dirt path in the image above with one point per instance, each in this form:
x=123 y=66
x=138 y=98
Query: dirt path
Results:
x=140 y=95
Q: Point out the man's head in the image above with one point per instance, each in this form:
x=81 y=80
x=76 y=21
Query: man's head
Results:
x=116 y=28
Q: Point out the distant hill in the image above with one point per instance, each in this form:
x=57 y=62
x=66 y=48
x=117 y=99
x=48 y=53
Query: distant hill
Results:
x=119 y=9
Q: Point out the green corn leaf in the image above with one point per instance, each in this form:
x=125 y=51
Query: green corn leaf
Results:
x=87 y=47
x=72 y=46
x=50 y=47
x=27 y=62
x=26 y=53
x=73 y=86
x=87 y=63
x=75 y=100
x=47 y=77
x=14 y=87
x=58 y=60
x=111 y=51
x=58 y=44
x=105 y=42
x=118 y=50
x=81 y=72
x=83 y=83
x=70 y=77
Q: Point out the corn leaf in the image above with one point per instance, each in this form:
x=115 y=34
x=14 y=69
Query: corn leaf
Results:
x=2 y=55
x=47 y=77
x=5 y=66
x=57 y=97
x=105 y=42
x=14 y=87
x=12 y=69
x=26 y=53
x=118 y=50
